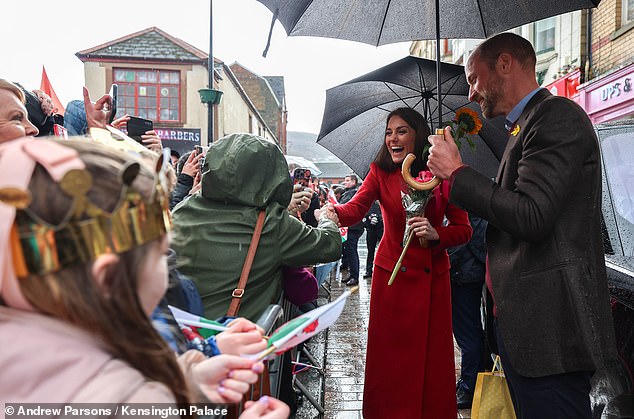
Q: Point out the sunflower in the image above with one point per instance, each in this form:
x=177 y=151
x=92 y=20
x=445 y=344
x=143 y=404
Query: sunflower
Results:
x=469 y=120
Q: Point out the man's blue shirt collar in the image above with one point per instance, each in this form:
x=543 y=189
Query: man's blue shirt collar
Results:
x=515 y=113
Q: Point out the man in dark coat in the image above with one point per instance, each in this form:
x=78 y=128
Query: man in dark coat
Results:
x=546 y=270
x=467 y=278
x=350 y=252
x=373 y=223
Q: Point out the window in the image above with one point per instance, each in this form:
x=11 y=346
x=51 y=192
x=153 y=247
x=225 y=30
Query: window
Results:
x=627 y=12
x=150 y=94
x=545 y=35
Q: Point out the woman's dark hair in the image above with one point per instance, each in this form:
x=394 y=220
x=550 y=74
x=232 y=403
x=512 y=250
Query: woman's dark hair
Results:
x=416 y=121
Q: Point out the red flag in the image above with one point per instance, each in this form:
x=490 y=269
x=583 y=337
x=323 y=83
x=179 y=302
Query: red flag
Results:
x=47 y=88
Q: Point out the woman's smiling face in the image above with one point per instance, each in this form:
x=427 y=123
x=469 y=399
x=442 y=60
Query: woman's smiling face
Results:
x=400 y=139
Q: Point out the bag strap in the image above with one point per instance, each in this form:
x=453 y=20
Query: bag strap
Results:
x=236 y=295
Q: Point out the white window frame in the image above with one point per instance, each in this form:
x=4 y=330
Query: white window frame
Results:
x=624 y=8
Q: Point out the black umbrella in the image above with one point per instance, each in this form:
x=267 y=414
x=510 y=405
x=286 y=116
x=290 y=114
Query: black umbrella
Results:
x=353 y=125
x=379 y=22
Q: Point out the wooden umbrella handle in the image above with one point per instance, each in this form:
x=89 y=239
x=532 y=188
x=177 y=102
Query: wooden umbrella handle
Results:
x=407 y=176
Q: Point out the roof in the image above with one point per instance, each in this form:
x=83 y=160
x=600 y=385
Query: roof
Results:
x=277 y=85
x=148 y=44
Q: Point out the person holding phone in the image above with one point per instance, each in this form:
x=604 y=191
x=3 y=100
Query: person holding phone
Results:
x=149 y=138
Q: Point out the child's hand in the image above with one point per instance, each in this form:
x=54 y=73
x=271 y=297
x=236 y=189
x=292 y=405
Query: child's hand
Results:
x=265 y=408
x=225 y=378
x=242 y=337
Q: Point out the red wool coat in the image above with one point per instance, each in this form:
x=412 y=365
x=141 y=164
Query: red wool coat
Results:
x=410 y=359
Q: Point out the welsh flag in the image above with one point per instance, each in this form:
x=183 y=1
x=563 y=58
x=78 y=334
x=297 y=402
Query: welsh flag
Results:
x=204 y=327
x=299 y=329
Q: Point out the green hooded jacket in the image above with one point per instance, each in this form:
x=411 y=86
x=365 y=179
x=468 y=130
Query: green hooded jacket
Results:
x=243 y=173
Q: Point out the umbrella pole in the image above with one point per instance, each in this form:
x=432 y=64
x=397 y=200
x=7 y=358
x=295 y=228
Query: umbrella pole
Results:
x=438 y=64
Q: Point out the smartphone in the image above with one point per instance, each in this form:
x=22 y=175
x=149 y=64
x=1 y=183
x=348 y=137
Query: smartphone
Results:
x=301 y=176
x=137 y=127
x=198 y=149
x=114 y=93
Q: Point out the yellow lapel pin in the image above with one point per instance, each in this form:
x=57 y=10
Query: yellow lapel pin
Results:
x=516 y=130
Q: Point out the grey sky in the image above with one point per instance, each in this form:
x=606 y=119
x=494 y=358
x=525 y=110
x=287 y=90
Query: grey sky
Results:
x=37 y=32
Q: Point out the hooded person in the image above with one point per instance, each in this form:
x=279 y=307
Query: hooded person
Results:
x=242 y=175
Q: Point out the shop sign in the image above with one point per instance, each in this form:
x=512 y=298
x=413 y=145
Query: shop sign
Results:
x=179 y=134
x=614 y=90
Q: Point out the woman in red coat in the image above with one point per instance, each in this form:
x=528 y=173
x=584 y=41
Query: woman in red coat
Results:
x=410 y=359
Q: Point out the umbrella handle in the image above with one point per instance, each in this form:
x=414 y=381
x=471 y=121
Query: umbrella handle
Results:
x=407 y=176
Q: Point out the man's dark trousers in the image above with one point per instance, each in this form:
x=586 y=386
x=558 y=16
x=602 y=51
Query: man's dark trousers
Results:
x=553 y=396
x=350 y=253
x=373 y=237
x=466 y=299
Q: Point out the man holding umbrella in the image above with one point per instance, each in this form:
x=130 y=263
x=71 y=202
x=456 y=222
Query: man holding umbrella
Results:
x=545 y=268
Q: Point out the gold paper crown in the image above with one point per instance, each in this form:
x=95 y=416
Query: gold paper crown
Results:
x=88 y=231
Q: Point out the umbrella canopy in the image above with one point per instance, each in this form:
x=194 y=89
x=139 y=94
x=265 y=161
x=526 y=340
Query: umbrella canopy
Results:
x=353 y=125
x=379 y=22
x=297 y=161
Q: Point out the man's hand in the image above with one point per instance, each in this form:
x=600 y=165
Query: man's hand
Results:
x=444 y=157
x=97 y=113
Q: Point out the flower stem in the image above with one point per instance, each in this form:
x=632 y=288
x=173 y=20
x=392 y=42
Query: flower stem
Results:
x=400 y=259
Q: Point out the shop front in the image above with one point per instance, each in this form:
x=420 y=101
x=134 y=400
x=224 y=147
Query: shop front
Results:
x=608 y=98
x=179 y=139
x=567 y=85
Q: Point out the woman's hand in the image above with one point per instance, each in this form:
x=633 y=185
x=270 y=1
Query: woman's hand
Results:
x=197 y=184
x=225 y=378
x=152 y=141
x=192 y=165
x=242 y=338
x=300 y=201
x=121 y=121
x=265 y=408
x=423 y=228
x=327 y=211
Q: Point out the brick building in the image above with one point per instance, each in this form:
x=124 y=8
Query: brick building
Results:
x=268 y=96
x=608 y=93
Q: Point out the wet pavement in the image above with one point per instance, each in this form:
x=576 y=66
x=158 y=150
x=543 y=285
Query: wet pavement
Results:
x=340 y=351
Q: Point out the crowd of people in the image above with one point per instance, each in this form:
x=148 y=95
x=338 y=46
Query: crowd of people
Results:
x=97 y=242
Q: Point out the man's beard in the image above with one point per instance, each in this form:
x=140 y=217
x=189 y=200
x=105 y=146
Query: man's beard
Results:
x=493 y=98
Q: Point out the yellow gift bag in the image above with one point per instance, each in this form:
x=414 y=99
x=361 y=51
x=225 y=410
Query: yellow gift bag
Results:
x=491 y=398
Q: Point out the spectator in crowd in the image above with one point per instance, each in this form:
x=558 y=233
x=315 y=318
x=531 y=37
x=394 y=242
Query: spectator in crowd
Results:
x=373 y=223
x=420 y=383
x=41 y=111
x=467 y=278
x=188 y=174
x=92 y=310
x=14 y=119
x=175 y=155
x=546 y=268
x=355 y=231
x=243 y=175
